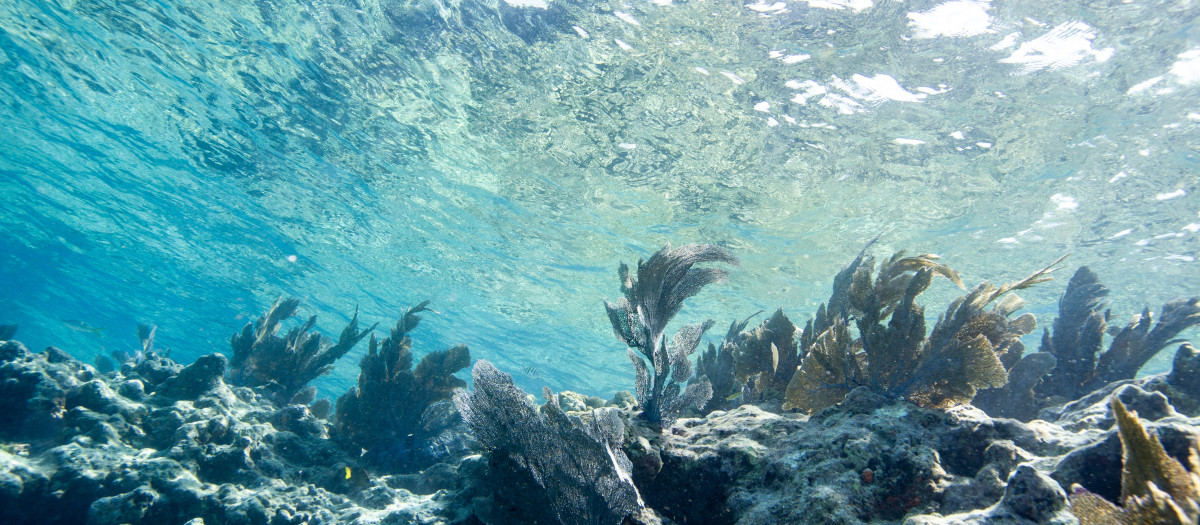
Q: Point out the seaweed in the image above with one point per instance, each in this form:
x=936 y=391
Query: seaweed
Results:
x=284 y=365
x=1138 y=342
x=1017 y=398
x=766 y=358
x=717 y=365
x=970 y=346
x=963 y=353
x=1077 y=337
x=540 y=463
x=833 y=366
x=641 y=316
x=1155 y=487
x=382 y=414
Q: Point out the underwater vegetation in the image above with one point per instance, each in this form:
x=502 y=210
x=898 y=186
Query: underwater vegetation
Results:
x=388 y=415
x=865 y=414
x=970 y=348
x=716 y=364
x=285 y=365
x=963 y=352
x=1077 y=338
x=1071 y=361
x=651 y=299
x=556 y=468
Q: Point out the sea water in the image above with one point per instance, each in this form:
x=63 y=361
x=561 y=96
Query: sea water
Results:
x=183 y=164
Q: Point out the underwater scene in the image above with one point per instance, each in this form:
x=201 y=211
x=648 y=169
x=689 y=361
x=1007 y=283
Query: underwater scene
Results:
x=285 y=262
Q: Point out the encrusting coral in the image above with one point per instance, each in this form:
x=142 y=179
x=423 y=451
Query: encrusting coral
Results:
x=1155 y=487
x=639 y=319
x=283 y=366
x=382 y=415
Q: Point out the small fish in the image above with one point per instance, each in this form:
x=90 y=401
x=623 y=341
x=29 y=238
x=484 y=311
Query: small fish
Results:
x=82 y=326
x=734 y=396
x=353 y=476
x=531 y=371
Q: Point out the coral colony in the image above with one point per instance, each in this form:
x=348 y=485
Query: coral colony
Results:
x=865 y=414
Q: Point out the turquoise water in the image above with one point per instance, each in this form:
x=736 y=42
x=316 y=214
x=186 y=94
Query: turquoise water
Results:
x=185 y=163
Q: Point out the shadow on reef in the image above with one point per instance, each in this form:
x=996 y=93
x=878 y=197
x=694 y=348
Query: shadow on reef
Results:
x=863 y=415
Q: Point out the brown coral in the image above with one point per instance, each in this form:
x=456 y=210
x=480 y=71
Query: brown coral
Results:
x=1155 y=488
x=284 y=365
x=963 y=353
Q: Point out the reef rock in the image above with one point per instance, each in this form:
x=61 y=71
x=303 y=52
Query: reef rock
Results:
x=80 y=447
x=877 y=459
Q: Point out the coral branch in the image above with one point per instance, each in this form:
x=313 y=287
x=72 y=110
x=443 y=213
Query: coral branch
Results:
x=640 y=317
x=284 y=365
x=381 y=415
x=578 y=471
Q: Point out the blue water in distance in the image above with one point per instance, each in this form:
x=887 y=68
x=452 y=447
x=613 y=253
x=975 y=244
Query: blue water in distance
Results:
x=185 y=163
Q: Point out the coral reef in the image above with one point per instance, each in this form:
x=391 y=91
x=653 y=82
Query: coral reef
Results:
x=639 y=319
x=542 y=466
x=885 y=431
x=716 y=364
x=964 y=352
x=79 y=447
x=1155 y=487
x=393 y=415
x=283 y=366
